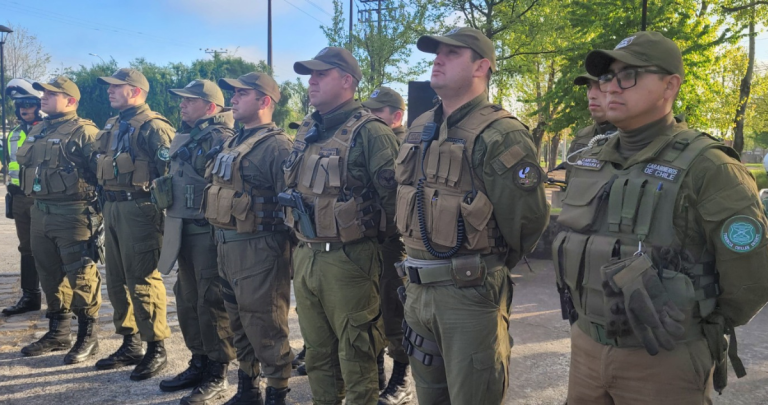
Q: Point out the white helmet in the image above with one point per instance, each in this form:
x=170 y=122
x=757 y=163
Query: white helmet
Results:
x=23 y=94
x=22 y=88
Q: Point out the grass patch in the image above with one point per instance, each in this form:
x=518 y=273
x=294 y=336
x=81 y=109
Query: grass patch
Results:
x=555 y=211
x=761 y=177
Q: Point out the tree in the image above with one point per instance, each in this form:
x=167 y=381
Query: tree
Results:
x=25 y=56
x=383 y=48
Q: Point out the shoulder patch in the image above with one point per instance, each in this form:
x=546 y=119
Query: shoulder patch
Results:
x=527 y=175
x=741 y=233
x=163 y=153
x=386 y=179
x=507 y=159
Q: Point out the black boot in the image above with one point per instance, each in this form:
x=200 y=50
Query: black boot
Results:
x=129 y=353
x=299 y=359
x=30 y=289
x=87 y=343
x=399 y=390
x=302 y=369
x=57 y=337
x=382 y=375
x=276 y=396
x=214 y=384
x=248 y=392
x=153 y=362
x=189 y=378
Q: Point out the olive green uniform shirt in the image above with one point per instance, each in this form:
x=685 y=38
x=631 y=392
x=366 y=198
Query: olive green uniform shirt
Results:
x=79 y=149
x=262 y=166
x=371 y=155
x=218 y=135
x=716 y=187
x=400 y=134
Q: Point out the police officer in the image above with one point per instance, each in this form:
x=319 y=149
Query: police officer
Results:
x=667 y=248
x=340 y=176
x=27 y=103
x=187 y=238
x=57 y=171
x=600 y=126
x=470 y=204
x=252 y=239
x=388 y=105
x=133 y=149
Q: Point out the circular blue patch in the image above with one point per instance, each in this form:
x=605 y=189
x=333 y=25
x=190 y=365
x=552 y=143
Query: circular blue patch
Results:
x=741 y=233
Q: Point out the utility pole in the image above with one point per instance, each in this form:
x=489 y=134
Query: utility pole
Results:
x=269 y=34
x=214 y=52
x=644 y=23
x=366 y=15
x=351 y=18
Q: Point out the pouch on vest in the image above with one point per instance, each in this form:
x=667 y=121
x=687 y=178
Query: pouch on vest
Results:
x=162 y=191
x=23 y=154
x=141 y=173
x=405 y=212
x=582 y=203
x=468 y=271
x=476 y=215
x=124 y=163
x=347 y=220
x=325 y=221
x=444 y=226
x=405 y=165
x=55 y=184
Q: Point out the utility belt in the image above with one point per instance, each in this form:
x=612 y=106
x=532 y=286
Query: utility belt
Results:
x=231 y=235
x=597 y=333
x=461 y=271
x=195 y=226
x=329 y=246
x=63 y=209
x=122 y=195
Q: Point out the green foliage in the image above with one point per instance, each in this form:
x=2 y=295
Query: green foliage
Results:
x=94 y=104
x=761 y=178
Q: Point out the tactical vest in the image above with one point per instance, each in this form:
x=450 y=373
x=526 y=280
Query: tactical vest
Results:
x=187 y=184
x=14 y=143
x=46 y=171
x=614 y=213
x=345 y=210
x=448 y=188
x=125 y=168
x=229 y=202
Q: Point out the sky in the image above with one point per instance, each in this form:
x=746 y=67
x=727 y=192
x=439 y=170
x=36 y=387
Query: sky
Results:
x=164 y=31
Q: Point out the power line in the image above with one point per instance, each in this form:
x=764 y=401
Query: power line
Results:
x=318 y=7
x=82 y=23
x=310 y=15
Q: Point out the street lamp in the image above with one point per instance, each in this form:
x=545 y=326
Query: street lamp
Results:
x=4 y=31
x=93 y=54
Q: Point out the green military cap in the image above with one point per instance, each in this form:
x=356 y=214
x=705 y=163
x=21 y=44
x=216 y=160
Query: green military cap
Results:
x=203 y=89
x=254 y=80
x=328 y=58
x=127 y=76
x=384 y=97
x=464 y=37
x=645 y=48
x=59 y=84
x=583 y=79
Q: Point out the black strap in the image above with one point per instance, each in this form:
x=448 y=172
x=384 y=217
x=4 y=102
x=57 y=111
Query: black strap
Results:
x=426 y=358
x=418 y=340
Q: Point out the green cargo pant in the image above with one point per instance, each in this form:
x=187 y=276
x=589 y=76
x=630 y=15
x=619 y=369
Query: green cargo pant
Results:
x=133 y=239
x=470 y=326
x=337 y=299
x=203 y=319
x=22 y=218
x=70 y=281
x=256 y=288
x=392 y=251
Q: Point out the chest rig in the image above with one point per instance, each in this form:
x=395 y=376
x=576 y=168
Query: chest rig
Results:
x=46 y=170
x=123 y=163
x=455 y=207
x=230 y=203
x=616 y=213
x=338 y=207
x=187 y=183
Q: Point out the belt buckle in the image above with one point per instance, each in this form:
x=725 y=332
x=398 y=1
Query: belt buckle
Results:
x=413 y=274
x=126 y=195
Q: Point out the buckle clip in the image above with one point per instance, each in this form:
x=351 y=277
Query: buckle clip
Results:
x=413 y=274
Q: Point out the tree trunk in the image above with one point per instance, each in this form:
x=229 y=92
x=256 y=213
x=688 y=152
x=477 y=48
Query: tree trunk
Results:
x=554 y=143
x=744 y=89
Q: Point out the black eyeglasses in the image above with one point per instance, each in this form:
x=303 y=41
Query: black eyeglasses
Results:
x=626 y=78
